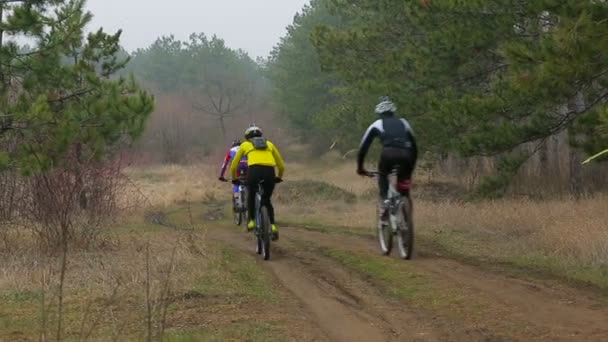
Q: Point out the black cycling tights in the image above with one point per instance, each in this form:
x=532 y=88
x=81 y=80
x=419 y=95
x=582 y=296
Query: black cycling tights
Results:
x=256 y=174
x=392 y=158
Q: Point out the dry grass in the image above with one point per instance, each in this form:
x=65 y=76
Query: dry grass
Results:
x=562 y=235
x=92 y=277
x=213 y=285
x=333 y=171
x=167 y=185
x=562 y=228
x=106 y=288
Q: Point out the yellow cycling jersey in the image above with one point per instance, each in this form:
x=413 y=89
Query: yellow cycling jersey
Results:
x=268 y=157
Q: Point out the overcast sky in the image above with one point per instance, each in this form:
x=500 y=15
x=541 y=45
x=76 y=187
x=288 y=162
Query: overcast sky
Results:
x=253 y=25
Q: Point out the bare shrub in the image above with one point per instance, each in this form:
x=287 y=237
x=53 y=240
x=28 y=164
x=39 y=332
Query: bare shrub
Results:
x=8 y=193
x=74 y=201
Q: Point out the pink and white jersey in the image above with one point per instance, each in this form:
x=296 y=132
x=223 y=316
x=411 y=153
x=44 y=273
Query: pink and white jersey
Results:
x=228 y=159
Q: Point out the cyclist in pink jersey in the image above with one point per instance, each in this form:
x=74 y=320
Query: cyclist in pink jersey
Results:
x=242 y=168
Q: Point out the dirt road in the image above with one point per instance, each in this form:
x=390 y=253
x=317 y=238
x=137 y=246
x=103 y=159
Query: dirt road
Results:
x=460 y=303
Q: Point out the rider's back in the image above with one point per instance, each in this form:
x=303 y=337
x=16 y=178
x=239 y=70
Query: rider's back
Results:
x=233 y=151
x=266 y=157
x=392 y=132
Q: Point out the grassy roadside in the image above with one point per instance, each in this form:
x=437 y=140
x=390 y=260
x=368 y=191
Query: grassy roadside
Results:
x=427 y=293
x=556 y=239
x=466 y=247
x=471 y=249
x=250 y=331
x=209 y=290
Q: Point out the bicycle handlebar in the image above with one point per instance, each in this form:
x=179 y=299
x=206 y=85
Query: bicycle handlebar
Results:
x=371 y=174
x=277 y=180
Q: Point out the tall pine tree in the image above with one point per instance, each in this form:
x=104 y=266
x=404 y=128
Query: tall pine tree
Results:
x=479 y=77
x=62 y=90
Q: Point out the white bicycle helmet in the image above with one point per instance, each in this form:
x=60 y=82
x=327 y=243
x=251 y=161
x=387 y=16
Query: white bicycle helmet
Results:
x=253 y=131
x=385 y=105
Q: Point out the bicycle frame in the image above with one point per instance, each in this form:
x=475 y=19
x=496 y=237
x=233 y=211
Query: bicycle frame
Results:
x=258 y=207
x=262 y=223
x=395 y=200
x=243 y=192
x=400 y=222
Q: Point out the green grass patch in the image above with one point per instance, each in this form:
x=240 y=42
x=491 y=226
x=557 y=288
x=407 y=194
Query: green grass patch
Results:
x=501 y=256
x=18 y=317
x=310 y=191
x=487 y=252
x=16 y=297
x=569 y=269
x=236 y=274
x=427 y=292
x=397 y=279
x=234 y=332
x=316 y=226
x=384 y=270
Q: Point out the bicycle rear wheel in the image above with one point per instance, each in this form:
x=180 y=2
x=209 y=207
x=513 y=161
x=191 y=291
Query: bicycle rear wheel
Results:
x=244 y=205
x=385 y=235
x=405 y=230
x=235 y=212
x=264 y=233
x=238 y=216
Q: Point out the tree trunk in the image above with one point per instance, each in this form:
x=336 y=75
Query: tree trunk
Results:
x=543 y=159
x=556 y=156
x=2 y=77
x=223 y=127
x=576 y=175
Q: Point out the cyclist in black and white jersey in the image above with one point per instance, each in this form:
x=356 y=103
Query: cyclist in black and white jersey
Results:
x=399 y=150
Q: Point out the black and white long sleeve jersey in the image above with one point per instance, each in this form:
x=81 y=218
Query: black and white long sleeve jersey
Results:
x=392 y=131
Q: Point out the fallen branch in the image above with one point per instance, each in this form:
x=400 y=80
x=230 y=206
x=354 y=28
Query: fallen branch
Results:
x=349 y=152
x=595 y=156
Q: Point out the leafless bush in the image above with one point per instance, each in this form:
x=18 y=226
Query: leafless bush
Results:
x=74 y=201
x=157 y=304
x=8 y=194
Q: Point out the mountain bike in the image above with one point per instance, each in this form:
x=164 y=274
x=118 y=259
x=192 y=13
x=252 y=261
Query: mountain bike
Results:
x=239 y=202
x=262 y=230
x=400 y=223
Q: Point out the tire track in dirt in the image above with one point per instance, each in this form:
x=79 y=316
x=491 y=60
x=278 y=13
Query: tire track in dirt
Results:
x=544 y=312
x=341 y=305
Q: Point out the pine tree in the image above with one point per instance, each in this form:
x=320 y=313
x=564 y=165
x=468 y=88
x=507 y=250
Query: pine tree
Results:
x=62 y=91
x=477 y=77
x=303 y=92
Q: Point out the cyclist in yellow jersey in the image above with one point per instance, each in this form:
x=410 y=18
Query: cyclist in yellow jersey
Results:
x=262 y=158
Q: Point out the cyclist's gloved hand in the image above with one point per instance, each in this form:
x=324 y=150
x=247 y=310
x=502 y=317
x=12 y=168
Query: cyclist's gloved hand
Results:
x=278 y=180
x=222 y=179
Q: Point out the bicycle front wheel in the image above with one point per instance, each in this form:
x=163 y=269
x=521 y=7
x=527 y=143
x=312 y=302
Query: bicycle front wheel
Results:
x=235 y=211
x=385 y=234
x=238 y=216
x=405 y=230
x=264 y=233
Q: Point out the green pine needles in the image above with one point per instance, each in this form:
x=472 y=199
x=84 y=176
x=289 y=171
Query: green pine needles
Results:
x=62 y=89
x=476 y=78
